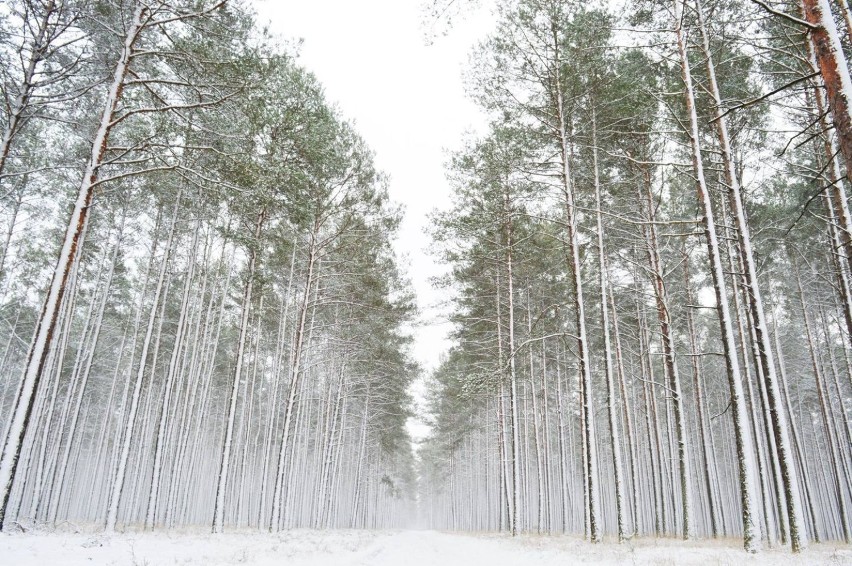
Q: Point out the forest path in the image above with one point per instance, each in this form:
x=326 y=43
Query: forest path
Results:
x=381 y=548
x=422 y=548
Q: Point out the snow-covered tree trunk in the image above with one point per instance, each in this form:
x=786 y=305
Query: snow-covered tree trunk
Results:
x=698 y=392
x=514 y=418
x=72 y=242
x=780 y=426
x=646 y=204
x=584 y=357
x=839 y=490
x=537 y=442
x=295 y=377
x=120 y=469
x=629 y=427
x=835 y=73
x=763 y=349
x=612 y=398
x=161 y=436
x=653 y=429
x=277 y=374
x=221 y=485
x=502 y=418
x=62 y=468
x=46 y=404
x=840 y=220
x=798 y=445
x=742 y=429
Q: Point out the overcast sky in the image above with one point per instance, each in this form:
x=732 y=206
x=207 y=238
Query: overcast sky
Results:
x=408 y=102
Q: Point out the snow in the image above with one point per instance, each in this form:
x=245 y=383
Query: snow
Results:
x=383 y=548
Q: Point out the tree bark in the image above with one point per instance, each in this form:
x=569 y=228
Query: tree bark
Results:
x=763 y=350
x=744 y=440
x=221 y=485
x=835 y=73
x=72 y=242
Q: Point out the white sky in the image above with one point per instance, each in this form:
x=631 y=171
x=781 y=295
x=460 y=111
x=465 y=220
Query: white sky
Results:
x=408 y=102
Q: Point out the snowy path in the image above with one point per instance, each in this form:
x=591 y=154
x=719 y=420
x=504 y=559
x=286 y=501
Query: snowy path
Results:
x=363 y=548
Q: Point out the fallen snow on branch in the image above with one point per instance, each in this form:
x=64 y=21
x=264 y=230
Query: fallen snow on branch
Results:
x=366 y=548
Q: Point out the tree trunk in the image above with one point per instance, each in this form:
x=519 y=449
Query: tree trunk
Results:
x=514 y=421
x=127 y=436
x=612 y=400
x=172 y=373
x=591 y=471
x=74 y=236
x=744 y=440
x=839 y=490
x=221 y=485
x=834 y=71
x=667 y=342
x=780 y=427
x=295 y=374
x=699 y=399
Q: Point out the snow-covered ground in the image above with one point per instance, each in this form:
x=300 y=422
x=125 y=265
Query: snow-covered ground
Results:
x=365 y=548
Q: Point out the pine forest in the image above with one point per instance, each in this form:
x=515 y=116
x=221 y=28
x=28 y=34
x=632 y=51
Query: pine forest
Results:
x=209 y=319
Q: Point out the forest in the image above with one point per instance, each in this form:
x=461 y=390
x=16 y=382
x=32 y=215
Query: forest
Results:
x=649 y=268
x=205 y=323
x=214 y=335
